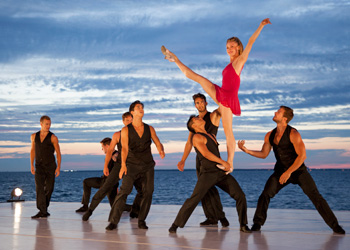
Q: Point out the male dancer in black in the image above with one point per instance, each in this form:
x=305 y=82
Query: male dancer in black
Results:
x=111 y=172
x=211 y=202
x=44 y=145
x=97 y=182
x=290 y=154
x=137 y=165
x=208 y=153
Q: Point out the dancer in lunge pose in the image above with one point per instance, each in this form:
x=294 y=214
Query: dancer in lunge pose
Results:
x=44 y=145
x=290 y=154
x=207 y=149
x=137 y=165
x=98 y=182
x=225 y=96
x=111 y=171
x=211 y=202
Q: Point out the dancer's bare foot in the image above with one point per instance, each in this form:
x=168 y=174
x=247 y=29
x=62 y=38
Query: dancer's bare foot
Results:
x=168 y=55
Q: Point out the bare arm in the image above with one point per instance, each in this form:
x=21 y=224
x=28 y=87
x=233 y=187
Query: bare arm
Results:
x=263 y=153
x=32 y=154
x=241 y=60
x=56 y=145
x=115 y=140
x=187 y=151
x=299 y=147
x=156 y=141
x=199 y=142
x=215 y=117
x=125 y=150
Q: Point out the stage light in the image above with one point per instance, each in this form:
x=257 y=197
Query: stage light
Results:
x=16 y=194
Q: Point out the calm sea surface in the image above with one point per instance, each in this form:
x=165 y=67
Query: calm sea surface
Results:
x=173 y=187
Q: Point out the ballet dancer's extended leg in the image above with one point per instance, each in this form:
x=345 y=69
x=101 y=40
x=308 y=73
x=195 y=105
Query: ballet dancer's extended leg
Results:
x=207 y=85
x=226 y=116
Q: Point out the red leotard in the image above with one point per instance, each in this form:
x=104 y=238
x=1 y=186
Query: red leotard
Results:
x=227 y=94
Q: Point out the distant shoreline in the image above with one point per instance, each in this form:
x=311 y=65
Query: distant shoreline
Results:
x=192 y=169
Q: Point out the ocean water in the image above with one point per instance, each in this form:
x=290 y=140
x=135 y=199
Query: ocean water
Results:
x=173 y=187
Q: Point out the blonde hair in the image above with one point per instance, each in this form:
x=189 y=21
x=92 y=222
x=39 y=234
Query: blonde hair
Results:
x=236 y=40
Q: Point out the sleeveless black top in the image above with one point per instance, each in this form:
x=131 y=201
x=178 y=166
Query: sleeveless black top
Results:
x=209 y=126
x=284 y=152
x=140 y=157
x=44 y=151
x=112 y=163
x=207 y=166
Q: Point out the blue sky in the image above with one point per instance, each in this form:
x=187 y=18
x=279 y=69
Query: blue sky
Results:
x=83 y=62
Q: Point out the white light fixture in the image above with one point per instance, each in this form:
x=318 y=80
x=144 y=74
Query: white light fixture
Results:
x=16 y=194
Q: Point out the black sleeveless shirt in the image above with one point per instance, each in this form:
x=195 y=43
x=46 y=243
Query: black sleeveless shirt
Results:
x=207 y=166
x=112 y=163
x=44 y=151
x=284 y=152
x=140 y=157
x=209 y=126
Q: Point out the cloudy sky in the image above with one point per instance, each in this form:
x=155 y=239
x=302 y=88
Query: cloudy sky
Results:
x=83 y=62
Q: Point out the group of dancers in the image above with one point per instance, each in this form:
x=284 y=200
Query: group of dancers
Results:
x=134 y=164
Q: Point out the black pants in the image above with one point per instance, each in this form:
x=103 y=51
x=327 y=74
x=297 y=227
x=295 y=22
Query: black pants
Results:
x=211 y=202
x=307 y=184
x=44 y=185
x=146 y=180
x=108 y=186
x=205 y=181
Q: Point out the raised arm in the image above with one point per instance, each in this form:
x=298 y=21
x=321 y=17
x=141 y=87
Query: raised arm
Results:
x=187 y=151
x=115 y=140
x=299 y=147
x=156 y=141
x=56 y=145
x=263 y=153
x=32 y=154
x=199 y=142
x=125 y=150
x=238 y=65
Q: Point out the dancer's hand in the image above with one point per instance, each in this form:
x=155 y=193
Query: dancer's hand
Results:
x=241 y=145
x=57 y=172
x=181 y=166
x=265 y=21
x=122 y=171
x=162 y=154
x=168 y=55
x=106 y=171
x=32 y=170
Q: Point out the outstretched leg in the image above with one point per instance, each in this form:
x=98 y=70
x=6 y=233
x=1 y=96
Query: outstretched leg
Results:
x=226 y=116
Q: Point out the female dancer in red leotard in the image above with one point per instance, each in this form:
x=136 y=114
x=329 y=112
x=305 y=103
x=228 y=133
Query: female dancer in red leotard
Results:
x=225 y=96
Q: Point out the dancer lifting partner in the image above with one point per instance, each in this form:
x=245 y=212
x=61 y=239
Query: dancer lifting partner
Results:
x=211 y=202
x=290 y=154
x=137 y=165
x=207 y=149
x=225 y=96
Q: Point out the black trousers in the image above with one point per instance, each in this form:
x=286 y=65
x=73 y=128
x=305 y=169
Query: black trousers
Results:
x=108 y=186
x=146 y=181
x=205 y=181
x=307 y=184
x=44 y=185
x=211 y=202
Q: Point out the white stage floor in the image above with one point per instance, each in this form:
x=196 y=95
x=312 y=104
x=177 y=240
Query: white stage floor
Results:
x=285 y=229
